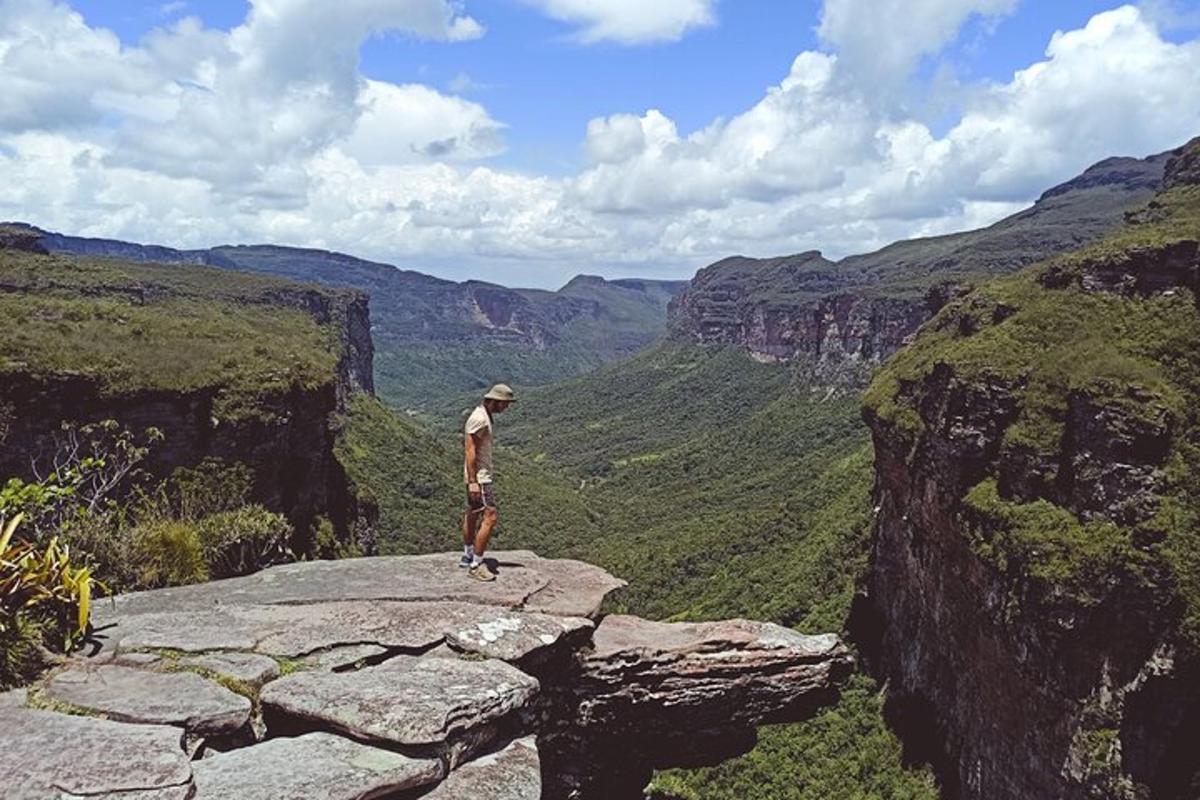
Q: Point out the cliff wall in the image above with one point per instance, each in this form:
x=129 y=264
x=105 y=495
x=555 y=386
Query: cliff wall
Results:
x=1031 y=598
x=847 y=317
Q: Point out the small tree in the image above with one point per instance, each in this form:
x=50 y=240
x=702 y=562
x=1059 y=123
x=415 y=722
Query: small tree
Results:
x=83 y=475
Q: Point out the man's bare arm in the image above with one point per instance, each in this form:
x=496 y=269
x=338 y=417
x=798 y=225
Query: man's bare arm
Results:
x=469 y=454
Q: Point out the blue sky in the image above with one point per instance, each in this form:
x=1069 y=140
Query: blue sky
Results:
x=546 y=87
x=500 y=138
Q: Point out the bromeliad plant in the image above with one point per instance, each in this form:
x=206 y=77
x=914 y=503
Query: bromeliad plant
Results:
x=40 y=587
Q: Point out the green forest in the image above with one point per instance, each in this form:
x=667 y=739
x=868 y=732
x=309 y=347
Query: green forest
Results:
x=717 y=487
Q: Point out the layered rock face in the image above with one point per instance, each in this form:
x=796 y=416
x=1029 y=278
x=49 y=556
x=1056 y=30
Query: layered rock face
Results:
x=400 y=677
x=1029 y=575
x=847 y=317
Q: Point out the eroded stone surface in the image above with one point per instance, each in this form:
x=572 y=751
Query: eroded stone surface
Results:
x=248 y=668
x=421 y=704
x=653 y=695
x=183 y=699
x=409 y=578
x=712 y=673
x=297 y=630
x=515 y=637
x=316 y=766
x=427 y=666
x=513 y=773
x=575 y=588
x=48 y=755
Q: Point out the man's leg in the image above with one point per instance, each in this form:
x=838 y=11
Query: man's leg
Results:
x=485 y=531
x=487 y=524
x=470 y=525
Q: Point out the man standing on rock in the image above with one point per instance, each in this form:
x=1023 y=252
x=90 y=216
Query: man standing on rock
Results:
x=480 y=516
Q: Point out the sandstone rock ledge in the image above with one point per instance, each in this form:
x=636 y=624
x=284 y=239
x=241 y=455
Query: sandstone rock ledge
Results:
x=399 y=678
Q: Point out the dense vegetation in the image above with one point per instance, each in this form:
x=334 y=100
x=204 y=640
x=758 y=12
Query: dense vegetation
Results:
x=133 y=326
x=717 y=487
x=92 y=516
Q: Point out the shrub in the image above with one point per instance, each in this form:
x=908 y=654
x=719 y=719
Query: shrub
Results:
x=45 y=601
x=167 y=552
x=244 y=540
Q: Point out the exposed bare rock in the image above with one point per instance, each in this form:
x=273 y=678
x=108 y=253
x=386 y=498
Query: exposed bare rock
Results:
x=183 y=699
x=518 y=638
x=316 y=766
x=298 y=630
x=427 y=707
x=48 y=755
x=706 y=673
x=514 y=773
x=653 y=695
x=247 y=668
x=575 y=589
x=568 y=588
x=403 y=669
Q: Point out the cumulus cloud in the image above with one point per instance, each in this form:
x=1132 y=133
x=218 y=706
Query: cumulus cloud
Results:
x=631 y=21
x=882 y=41
x=414 y=123
x=195 y=137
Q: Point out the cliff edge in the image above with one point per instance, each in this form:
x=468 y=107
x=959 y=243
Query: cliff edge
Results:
x=400 y=677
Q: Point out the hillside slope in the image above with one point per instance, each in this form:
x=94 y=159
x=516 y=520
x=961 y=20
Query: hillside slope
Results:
x=436 y=339
x=1035 y=576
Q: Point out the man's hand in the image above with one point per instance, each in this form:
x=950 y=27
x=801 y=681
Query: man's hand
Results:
x=474 y=491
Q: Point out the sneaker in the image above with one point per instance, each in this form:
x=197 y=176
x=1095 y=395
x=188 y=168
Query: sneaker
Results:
x=482 y=573
x=465 y=561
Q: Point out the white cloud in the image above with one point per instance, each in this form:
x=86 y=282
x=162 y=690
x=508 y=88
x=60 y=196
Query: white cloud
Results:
x=196 y=137
x=881 y=41
x=414 y=123
x=631 y=21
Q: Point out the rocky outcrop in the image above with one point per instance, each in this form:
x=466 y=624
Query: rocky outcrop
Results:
x=845 y=318
x=653 y=695
x=19 y=237
x=401 y=675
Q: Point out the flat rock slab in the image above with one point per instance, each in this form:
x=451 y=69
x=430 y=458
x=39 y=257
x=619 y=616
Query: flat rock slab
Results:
x=514 y=773
x=316 y=766
x=422 y=704
x=297 y=630
x=248 y=668
x=48 y=755
x=567 y=588
x=182 y=699
x=575 y=589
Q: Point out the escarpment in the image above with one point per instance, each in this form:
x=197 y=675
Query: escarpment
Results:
x=401 y=677
x=237 y=368
x=847 y=317
x=1032 y=596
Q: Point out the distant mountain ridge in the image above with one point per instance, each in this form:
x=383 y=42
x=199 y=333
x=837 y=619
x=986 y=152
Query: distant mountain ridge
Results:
x=437 y=338
x=850 y=315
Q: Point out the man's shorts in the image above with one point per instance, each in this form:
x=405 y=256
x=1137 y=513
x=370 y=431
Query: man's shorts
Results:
x=486 y=499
